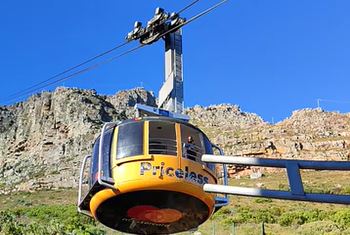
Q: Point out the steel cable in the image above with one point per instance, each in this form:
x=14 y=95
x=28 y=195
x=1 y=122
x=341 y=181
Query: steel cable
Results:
x=44 y=84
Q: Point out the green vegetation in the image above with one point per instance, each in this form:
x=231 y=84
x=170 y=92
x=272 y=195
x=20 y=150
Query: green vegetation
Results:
x=46 y=220
x=246 y=216
x=276 y=215
x=44 y=212
x=54 y=212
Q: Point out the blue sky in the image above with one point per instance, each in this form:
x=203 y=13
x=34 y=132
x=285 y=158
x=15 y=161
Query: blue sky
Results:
x=270 y=57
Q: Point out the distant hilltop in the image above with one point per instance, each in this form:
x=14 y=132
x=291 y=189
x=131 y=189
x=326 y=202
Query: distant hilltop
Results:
x=43 y=140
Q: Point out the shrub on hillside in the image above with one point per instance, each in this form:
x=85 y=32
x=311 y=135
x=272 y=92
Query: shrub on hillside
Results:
x=320 y=227
x=342 y=217
x=46 y=220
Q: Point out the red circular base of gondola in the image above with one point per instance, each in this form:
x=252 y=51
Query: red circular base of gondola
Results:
x=147 y=213
x=152 y=212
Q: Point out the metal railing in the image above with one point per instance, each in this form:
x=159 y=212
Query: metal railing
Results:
x=192 y=152
x=162 y=146
x=102 y=179
x=195 y=153
x=221 y=201
x=80 y=189
x=293 y=172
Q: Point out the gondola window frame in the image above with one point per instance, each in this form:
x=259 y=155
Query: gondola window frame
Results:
x=130 y=135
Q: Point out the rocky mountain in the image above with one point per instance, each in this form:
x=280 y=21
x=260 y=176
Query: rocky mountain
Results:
x=43 y=140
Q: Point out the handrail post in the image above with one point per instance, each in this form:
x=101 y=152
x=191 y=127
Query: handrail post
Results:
x=294 y=179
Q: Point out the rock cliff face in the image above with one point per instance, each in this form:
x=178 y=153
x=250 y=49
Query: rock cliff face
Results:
x=310 y=133
x=43 y=140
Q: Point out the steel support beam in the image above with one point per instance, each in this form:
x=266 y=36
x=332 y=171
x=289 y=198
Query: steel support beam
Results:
x=278 y=163
x=293 y=172
x=171 y=95
x=277 y=194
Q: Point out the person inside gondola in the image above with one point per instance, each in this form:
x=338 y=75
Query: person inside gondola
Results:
x=190 y=149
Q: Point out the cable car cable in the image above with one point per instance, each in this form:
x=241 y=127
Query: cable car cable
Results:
x=28 y=92
x=188 y=6
x=79 y=72
x=195 y=17
x=68 y=70
x=24 y=91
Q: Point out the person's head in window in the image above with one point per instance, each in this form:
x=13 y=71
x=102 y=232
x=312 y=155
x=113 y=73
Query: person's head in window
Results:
x=190 y=140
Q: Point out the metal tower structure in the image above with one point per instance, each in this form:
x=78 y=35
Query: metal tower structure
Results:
x=171 y=94
x=168 y=27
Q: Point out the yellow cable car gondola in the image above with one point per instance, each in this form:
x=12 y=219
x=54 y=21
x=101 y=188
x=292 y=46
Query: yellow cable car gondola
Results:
x=146 y=176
